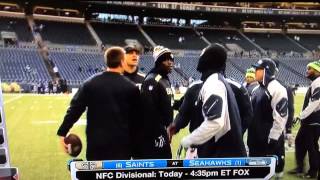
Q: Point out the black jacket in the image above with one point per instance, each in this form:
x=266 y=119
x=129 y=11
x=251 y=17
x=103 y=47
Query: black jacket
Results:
x=190 y=111
x=311 y=107
x=250 y=87
x=227 y=140
x=111 y=101
x=290 y=109
x=135 y=77
x=157 y=100
x=270 y=107
x=244 y=104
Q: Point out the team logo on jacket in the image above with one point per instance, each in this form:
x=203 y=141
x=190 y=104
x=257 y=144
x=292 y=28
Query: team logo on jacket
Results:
x=212 y=108
x=315 y=95
x=282 y=107
x=139 y=85
x=159 y=141
x=169 y=91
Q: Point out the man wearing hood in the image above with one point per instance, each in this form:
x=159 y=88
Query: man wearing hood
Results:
x=220 y=133
x=309 y=132
x=270 y=104
x=157 y=100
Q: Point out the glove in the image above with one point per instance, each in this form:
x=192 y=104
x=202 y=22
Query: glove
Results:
x=185 y=142
x=272 y=145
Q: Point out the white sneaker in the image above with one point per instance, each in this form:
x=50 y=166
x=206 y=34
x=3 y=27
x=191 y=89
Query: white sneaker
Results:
x=279 y=175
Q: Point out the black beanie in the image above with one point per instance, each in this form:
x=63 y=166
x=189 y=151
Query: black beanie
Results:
x=212 y=58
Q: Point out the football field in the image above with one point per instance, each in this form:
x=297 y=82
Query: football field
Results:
x=32 y=122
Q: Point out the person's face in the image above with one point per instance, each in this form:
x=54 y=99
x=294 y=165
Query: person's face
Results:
x=312 y=73
x=167 y=65
x=132 y=58
x=259 y=74
x=249 y=79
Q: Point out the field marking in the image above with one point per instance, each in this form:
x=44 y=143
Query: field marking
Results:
x=13 y=99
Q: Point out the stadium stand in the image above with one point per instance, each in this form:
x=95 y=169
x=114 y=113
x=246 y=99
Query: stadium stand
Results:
x=76 y=67
x=65 y=33
x=175 y=37
x=309 y=41
x=116 y=34
x=17 y=25
x=271 y=41
x=22 y=65
x=226 y=37
x=297 y=65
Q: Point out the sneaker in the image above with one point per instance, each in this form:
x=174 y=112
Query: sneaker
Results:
x=310 y=176
x=278 y=175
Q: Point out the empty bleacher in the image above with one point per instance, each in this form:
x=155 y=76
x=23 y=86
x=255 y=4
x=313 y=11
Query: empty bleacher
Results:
x=76 y=67
x=22 y=65
x=272 y=41
x=169 y=37
x=298 y=65
x=65 y=33
x=226 y=37
x=309 y=41
x=116 y=34
x=18 y=25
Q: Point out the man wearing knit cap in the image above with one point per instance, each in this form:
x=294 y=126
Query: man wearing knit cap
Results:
x=220 y=134
x=131 y=69
x=250 y=80
x=157 y=100
x=309 y=132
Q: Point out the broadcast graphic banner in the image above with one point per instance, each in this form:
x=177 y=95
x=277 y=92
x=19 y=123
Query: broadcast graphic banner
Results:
x=214 y=168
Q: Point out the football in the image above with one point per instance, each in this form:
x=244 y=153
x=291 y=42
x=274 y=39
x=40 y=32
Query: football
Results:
x=74 y=144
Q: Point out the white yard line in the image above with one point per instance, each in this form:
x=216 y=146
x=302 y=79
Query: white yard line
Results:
x=13 y=99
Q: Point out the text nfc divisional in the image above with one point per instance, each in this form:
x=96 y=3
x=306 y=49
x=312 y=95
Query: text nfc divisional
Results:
x=172 y=174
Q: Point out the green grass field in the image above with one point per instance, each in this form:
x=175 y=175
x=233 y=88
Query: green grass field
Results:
x=32 y=122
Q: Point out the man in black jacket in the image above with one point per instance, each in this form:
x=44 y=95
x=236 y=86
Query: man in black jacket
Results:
x=309 y=132
x=189 y=111
x=131 y=70
x=111 y=101
x=220 y=133
x=157 y=100
x=270 y=107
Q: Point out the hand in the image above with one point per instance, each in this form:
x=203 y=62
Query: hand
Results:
x=63 y=144
x=171 y=130
x=290 y=139
x=295 y=121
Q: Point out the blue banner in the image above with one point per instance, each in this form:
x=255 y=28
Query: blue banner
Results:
x=134 y=164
